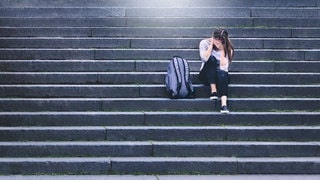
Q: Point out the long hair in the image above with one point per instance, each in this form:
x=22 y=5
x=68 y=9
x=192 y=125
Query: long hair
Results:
x=222 y=34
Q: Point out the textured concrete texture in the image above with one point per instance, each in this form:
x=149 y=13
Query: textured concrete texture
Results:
x=82 y=90
x=167 y=177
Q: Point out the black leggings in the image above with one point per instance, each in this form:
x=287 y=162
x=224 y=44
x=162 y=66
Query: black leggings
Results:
x=211 y=75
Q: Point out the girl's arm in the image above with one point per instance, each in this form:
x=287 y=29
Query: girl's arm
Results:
x=205 y=52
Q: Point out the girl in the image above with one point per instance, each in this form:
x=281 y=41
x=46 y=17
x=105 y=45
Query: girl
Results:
x=216 y=54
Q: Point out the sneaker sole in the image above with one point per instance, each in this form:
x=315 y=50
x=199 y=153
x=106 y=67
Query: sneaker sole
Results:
x=213 y=98
x=225 y=112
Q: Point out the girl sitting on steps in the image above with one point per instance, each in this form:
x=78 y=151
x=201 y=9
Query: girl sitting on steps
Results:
x=216 y=54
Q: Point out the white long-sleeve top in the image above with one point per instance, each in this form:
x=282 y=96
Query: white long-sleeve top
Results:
x=203 y=47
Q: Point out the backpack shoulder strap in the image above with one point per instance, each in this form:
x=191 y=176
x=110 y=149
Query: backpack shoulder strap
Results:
x=177 y=69
x=187 y=75
x=186 y=68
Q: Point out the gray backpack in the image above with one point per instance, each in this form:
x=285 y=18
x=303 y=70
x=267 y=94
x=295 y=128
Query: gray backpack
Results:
x=177 y=80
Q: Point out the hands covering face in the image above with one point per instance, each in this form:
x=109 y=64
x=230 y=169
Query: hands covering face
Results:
x=217 y=43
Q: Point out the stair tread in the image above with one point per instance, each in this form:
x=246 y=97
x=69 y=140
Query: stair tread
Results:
x=154 y=113
x=154 y=3
x=153 y=99
x=93 y=128
x=166 y=159
x=152 y=85
x=167 y=143
x=159 y=73
x=243 y=32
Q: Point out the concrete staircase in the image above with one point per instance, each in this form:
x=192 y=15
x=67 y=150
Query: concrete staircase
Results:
x=81 y=88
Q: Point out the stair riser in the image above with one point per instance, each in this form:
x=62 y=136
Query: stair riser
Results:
x=63 y=12
x=129 y=12
x=160 y=134
x=157 y=119
x=217 y=168
x=120 y=166
x=54 y=135
x=154 y=43
x=77 y=119
x=159 y=150
x=77 y=151
x=150 y=92
x=157 y=12
x=12 y=105
x=155 y=3
x=236 y=151
x=149 y=78
x=149 y=54
x=212 y=119
x=68 y=66
x=149 y=66
x=157 y=32
x=161 y=22
x=55 y=167
x=241 y=54
x=212 y=135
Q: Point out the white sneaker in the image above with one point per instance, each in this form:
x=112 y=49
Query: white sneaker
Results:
x=224 y=110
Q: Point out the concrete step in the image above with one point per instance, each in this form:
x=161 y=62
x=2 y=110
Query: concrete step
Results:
x=162 y=22
x=65 y=42
x=74 y=65
x=161 y=12
x=212 y=133
x=159 y=149
x=155 y=3
x=102 y=118
x=161 y=165
x=191 y=32
x=285 y=12
x=156 y=104
x=151 y=54
x=161 y=133
x=162 y=177
x=82 y=88
x=111 y=78
x=151 y=91
x=246 y=54
x=64 y=12
x=198 y=32
x=149 y=66
x=223 y=12
x=156 y=43
x=55 y=165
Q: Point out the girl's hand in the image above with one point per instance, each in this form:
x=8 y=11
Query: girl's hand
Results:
x=211 y=41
